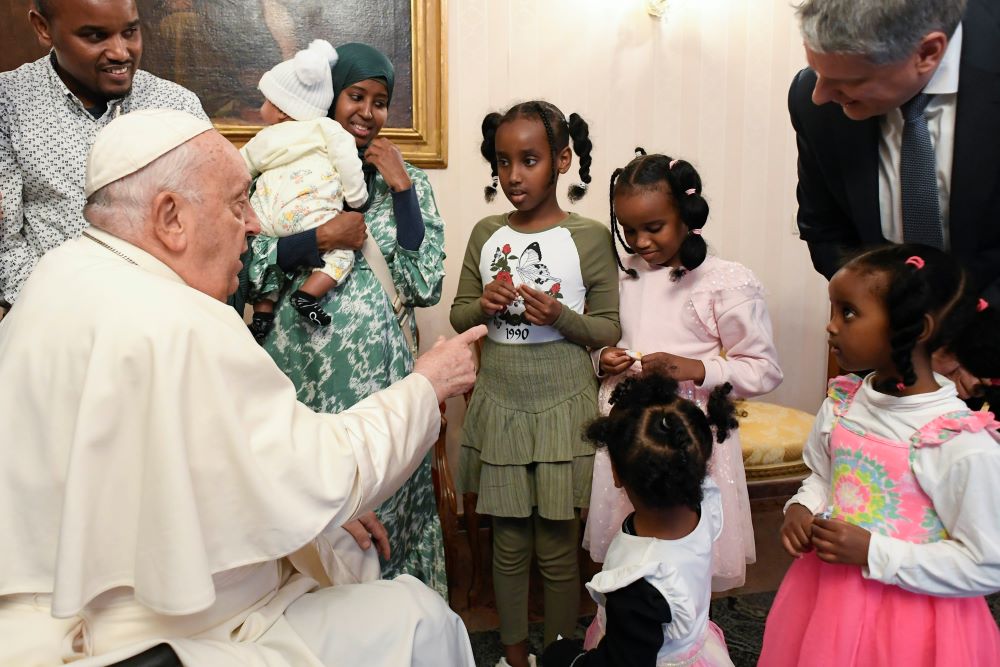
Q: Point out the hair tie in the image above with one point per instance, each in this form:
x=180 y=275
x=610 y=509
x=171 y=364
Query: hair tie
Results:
x=991 y=382
x=583 y=186
x=673 y=163
x=916 y=261
x=900 y=386
x=690 y=191
x=982 y=305
x=696 y=232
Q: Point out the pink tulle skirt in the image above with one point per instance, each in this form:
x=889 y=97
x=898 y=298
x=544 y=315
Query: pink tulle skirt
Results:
x=827 y=615
x=609 y=505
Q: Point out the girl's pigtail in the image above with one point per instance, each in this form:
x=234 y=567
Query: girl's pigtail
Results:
x=582 y=146
x=489 y=151
x=693 y=211
x=906 y=302
x=722 y=411
x=615 y=230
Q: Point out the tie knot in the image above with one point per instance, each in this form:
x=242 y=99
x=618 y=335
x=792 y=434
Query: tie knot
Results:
x=915 y=107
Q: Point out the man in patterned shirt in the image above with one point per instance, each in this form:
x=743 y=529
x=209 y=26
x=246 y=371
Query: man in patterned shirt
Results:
x=50 y=112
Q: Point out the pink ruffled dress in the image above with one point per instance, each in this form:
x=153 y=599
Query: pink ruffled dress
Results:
x=827 y=615
x=718 y=306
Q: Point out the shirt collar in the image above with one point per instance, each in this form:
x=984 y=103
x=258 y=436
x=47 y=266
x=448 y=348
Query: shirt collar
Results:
x=140 y=257
x=61 y=89
x=945 y=79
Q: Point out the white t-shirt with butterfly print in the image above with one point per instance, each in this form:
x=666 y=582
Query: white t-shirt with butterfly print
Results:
x=547 y=261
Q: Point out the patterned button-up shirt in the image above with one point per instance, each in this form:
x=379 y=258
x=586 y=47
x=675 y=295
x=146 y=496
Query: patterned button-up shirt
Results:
x=45 y=136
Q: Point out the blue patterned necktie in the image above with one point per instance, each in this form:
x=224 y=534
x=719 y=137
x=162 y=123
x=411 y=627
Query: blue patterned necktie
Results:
x=918 y=177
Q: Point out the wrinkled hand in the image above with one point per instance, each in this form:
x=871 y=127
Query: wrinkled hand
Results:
x=796 y=530
x=385 y=156
x=615 y=360
x=947 y=364
x=837 y=541
x=539 y=308
x=346 y=231
x=450 y=365
x=672 y=365
x=497 y=295
x=367 y=529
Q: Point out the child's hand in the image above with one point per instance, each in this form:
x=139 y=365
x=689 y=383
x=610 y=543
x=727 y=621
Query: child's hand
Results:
x=796 y=531
x=615 y=360
x=672 y=365
x=497 y=295
x=539 y=307
x=837 y=541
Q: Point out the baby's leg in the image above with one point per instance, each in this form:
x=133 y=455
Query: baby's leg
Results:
x=318 y=284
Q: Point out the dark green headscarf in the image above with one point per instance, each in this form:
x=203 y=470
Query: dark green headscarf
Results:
x=357 y=62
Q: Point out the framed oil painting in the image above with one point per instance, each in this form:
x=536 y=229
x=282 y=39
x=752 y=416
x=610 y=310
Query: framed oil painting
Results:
x=220 y=48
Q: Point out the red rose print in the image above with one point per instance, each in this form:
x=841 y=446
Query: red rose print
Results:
x=555 y=288
x=504 y=277
x=506 y=248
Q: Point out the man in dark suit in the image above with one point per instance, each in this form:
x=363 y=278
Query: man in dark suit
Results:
x=868 y=59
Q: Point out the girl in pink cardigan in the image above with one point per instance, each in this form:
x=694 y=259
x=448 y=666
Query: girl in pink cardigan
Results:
x=680 y=309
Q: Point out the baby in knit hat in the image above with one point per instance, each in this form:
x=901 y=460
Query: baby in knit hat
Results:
x=308 y=165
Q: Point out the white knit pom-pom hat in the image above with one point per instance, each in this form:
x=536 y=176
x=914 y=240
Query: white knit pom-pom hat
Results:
x=302 y=87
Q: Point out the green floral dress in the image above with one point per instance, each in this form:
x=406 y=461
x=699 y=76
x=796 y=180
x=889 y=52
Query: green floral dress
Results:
x=363 y=351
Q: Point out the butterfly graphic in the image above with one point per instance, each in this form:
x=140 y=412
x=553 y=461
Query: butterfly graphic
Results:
x=530 y=267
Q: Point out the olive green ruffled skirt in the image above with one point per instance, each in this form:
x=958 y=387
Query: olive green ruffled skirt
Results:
x=522 y=441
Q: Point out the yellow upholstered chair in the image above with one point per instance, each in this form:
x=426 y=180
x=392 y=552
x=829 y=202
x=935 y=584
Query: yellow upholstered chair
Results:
x=772 y=437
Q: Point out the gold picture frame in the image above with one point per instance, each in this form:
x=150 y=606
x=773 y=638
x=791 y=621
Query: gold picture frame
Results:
x=425 y=143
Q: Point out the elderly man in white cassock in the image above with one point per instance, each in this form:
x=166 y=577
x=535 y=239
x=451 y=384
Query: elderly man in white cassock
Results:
x=160 y=482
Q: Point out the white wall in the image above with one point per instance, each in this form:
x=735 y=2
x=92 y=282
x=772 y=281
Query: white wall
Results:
x=707 y=83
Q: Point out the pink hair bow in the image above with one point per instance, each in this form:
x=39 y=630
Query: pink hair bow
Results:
x=916 y=262
x=982 y=305
x=689 y=191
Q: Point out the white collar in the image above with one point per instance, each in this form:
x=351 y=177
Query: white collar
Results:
x=945 y=79
x=133 y=254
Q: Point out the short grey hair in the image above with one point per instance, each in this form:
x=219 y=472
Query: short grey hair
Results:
x=884 y=31
x=122 y=207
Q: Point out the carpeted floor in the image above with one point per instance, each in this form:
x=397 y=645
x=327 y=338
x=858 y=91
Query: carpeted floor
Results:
x=741 y=619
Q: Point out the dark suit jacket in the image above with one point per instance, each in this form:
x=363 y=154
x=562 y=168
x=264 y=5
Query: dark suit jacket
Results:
x=838 y=163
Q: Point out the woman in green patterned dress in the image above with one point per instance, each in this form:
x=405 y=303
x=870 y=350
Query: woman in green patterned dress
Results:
x=364 y=350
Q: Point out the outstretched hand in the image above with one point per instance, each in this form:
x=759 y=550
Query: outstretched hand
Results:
x=450 y=365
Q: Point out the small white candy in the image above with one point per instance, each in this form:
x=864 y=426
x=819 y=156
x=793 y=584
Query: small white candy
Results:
x=633 y=354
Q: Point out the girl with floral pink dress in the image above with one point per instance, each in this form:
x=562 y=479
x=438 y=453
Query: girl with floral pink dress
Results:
x=698 y=318
x=896 y=531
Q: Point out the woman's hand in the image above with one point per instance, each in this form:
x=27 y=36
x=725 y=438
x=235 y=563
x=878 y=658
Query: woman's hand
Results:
x=796 y=530
x=672 y=365
x=837 y=541
x=947 y=364
x=497 y=295
x=615 y=360
x=539 y=308
x=367 y=529
x=346 y=231
x=385 y=157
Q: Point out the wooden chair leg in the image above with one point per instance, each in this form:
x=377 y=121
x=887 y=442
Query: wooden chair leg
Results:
x=475 y=593
x=447 y=502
